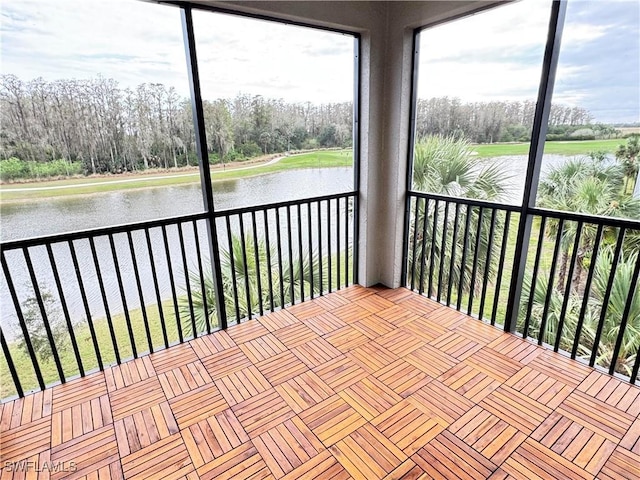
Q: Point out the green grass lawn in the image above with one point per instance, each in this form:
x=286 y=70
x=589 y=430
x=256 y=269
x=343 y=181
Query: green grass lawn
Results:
x=319 y=159
x=557 y=148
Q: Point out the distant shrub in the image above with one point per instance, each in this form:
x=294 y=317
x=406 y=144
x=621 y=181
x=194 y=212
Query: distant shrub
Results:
x=12 y=169
x=17 y=169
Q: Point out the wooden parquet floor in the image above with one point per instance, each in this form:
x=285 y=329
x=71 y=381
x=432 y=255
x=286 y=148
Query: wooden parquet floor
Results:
x=363 y=383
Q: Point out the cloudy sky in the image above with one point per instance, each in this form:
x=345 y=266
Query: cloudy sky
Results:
x=497 y=55
x=492 y=55
x=135 y=42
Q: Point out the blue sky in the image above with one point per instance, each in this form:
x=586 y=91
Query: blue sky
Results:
x=492 y=55
x=497 y=55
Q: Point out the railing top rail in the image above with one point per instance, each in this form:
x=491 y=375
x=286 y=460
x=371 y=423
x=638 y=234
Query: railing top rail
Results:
x=288 y=203
x=541 y=212
x=465 y=201
x=128 y=227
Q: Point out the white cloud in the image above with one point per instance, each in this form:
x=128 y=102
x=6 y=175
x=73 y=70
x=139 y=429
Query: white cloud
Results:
x=135 y=42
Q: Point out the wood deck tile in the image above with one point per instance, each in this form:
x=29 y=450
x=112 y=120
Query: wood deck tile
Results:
x=613 y=392
x=80 y=419
x=601 y=418
x=408 y=426
x=330 y=301
x=431 y=361
x=355 y=292
x=631 y=441
x=78 y=391
x=184 y=379
x=193 y=406
x=89 y=453
x=303 y=311
x=536 y=385
x=132 y=399
x=370 y=397
x=469 y=382
x=226 y=362
x=424 y=329
x=262 y=412
x=374 y=303
x=407 y=470
x=213 y=437
x=173 y=357
x=143 y=428
x=367 y=383
x=534 y=461
x=287 y=446
x=25 y=441
x=25 y=410
x=281 y=368
x=316 y=352
x=402 y=377
x=367 y=454
x=554 y=365
x=446 y=456
x=494 y=364
x=207 y=345
x=395 y=294
x=332 y=419
x=304 y=391
x=295 y=335
x=129 y=373
x=373 y=326
x=400 y=342
x=574 y=442
x=346 y=338
x=351 y=313
x=340 y=373
x=246 y=331
x=398 y=315
x=456 y=345
x=494 y=438
x=516 y=348
x=418 y=304
x=442 y=401
x=274 y=321
x=323 y=465
x=241 y=463
x=622 y=465
x=262 y=348
x=372 y=356
x=166 y=459
x=480 y=332
x=242 y=385
x=516 y=409
x=325 y=323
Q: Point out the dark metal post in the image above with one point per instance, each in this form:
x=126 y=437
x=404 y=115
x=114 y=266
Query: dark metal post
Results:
x=203 y=159
x=540 y=123
x=356 y=161
x=409 y=179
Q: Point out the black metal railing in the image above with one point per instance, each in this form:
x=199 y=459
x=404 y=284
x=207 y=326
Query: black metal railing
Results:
x=580 y=286
x=79 y=302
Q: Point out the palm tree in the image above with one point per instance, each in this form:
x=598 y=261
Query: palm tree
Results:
x=621 y=289
x=444 y=165
x=591 y=185
x=304 y=269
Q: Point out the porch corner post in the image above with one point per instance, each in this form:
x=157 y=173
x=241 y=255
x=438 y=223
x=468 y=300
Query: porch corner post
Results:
x=536 y=151
x=203 y=160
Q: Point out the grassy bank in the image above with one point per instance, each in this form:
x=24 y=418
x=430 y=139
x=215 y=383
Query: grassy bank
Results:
x=555 y=148
x=87 y=185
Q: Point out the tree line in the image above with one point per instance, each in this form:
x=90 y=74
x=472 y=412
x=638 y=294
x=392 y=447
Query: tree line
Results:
x=497 y=121
x=103 y=127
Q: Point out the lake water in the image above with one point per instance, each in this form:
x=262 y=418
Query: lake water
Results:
x=64 y=214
